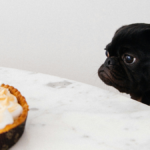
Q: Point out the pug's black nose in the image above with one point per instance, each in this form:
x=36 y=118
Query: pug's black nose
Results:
x=110 y=61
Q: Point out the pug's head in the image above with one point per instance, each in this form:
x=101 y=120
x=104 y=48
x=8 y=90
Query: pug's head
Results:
x=127 y=66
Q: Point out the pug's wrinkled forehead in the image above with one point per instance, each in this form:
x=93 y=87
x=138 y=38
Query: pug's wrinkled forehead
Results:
x=134 y=38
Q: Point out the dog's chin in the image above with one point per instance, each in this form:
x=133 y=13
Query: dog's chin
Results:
x=106 y=77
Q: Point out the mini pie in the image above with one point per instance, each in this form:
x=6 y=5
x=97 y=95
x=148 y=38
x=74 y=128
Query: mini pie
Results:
x=11 y=133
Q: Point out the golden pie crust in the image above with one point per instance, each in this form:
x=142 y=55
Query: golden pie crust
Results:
x=12 y=132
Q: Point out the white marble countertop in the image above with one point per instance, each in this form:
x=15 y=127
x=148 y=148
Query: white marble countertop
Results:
x=68 y=115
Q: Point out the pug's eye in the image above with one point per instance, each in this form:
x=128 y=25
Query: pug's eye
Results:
x=107 y=53
x=129 y=59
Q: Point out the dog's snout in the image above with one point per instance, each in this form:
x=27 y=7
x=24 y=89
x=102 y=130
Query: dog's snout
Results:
x=110 y=61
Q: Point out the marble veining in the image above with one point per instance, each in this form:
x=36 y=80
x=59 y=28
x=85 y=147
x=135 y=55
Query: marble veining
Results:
x=70 y=115
x=62 y=84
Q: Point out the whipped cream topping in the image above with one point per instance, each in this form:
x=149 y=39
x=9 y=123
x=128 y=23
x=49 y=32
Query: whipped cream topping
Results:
x=9 y=108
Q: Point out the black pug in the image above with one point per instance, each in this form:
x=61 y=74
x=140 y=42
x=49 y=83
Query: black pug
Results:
x=127 y=67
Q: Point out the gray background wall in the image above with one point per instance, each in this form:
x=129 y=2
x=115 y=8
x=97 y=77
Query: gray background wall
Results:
x=65 y=38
